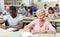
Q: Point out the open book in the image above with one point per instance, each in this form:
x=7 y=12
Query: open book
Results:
x=9 y=30
x=28 y=34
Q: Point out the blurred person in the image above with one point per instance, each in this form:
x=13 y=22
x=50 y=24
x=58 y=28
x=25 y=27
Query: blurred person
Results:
x=6 y=12
x=22 y=9
x=40 y=25
x=56 y=8
x=29 y=12
x=34 y=8
x=52 y=15
x=45 y=8
x=14 y=20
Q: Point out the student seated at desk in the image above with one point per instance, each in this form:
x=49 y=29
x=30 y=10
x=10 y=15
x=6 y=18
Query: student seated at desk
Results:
x=56 y=8
x=52 y=15
x=14 y=20
x=40 y=25
x=6 y=11
x=22 y=9
x=34 y=8
x=29 y=12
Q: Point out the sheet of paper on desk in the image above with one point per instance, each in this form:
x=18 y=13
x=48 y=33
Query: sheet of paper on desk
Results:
x=9 y=29
x=28 y=34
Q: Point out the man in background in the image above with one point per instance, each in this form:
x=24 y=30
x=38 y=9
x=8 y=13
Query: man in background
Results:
x=22 y=9
x=6 y=11
x=56 y=8
x=45 y=8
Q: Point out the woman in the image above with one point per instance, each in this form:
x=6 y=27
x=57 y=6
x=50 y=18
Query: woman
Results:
x=14 y=20
x=29 y=12
x=40 y=25
x=52 y=15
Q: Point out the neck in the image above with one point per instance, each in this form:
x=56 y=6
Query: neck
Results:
x=13 y=16
x=41 y=20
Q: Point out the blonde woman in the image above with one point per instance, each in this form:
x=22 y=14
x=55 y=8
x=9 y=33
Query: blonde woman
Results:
x=40 y=25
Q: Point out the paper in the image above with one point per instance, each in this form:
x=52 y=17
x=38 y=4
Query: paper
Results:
x=9 y=29
x=28 y=34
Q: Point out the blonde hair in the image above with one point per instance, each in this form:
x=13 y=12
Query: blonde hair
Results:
x=40 y=12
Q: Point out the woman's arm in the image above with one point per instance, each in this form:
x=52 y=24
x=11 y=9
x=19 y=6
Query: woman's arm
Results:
x=26 y=28
x=1 y=26
x=29 y=27
x=2 y=21
x=50 y=29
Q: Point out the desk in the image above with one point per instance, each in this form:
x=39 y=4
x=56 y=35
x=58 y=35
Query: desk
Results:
x=9 y=34
x=44 y=35
x=31 y=19
x=18 y=34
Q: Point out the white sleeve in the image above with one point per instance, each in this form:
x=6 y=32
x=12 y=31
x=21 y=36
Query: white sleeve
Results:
x=5 y=17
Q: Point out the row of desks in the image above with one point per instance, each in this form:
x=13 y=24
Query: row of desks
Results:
x=19 y=34
x=29 y=19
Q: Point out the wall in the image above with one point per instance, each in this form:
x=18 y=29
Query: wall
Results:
x=1 y=5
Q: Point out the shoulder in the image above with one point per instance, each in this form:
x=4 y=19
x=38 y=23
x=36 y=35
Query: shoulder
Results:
x=19 y=8
x=20 y=17
x=34 y=21
x=47 y=22
x=23 y=8
x=4 y=11
x=6 y=16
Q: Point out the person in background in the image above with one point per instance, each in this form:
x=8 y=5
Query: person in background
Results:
x=22 y=9
x=45 y=8
x=34 y=8
x=56 y=8
x=14 y=20
x=6 y=12
x=40 y=25
x=29 y=12
x=52 y=15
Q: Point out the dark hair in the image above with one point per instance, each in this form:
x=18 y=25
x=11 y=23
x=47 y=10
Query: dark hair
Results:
x=50 y=8
x=13 y=8
x=57 y=5
x=30 y=10
x=22 y=4
x=45 y=4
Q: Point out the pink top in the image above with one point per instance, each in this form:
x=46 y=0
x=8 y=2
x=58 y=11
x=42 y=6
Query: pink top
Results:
x=36 y=26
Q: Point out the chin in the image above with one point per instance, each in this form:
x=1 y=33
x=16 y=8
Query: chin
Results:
x=42 y=19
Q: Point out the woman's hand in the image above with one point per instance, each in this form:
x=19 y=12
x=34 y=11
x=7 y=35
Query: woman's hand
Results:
x=4 y=27
x=41 y=31
x=27 y=29
x=33 y=32
x=51 y=32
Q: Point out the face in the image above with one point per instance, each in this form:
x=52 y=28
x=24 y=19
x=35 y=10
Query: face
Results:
x=41 y=16
x=57 y=6
x=7 y=8
x=45 y=6
x=50 y=11
x=13 y=13
x=33 y=5
x=28 y=10
x=22 y=6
